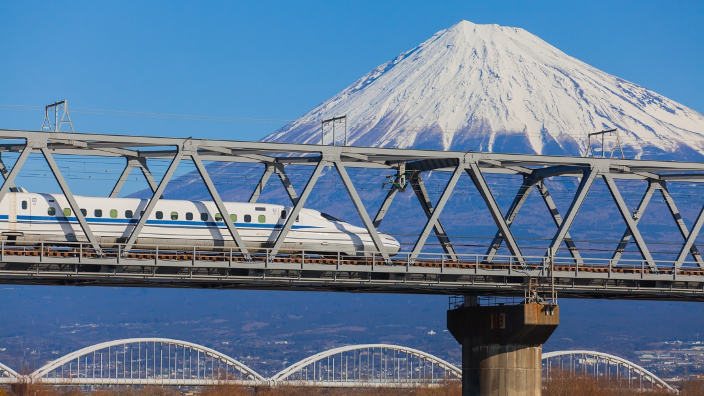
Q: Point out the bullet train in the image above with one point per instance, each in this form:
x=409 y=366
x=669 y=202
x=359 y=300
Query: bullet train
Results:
x=34 y=217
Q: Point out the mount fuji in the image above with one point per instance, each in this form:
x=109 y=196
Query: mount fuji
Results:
x=501 y=89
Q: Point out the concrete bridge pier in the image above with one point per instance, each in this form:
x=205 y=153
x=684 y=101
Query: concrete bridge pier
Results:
x=502 y=346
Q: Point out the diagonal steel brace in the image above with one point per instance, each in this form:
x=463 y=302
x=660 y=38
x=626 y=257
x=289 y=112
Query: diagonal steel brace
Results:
x=587 y=180
x=268 y=170
x=215 y=196
x=263 y=180
x=433 y=218
x=418 y=186
x=630 y=223
x=359 y=205
x=71 y=200
x=131 y=163
x=483 y=187
x=153 y=200
x=684 y=231
x=288 y=224
x=637 y=215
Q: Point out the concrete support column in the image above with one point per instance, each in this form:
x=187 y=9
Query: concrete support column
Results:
x=502 y=347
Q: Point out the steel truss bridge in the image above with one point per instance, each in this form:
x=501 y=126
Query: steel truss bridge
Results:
x=168 y=362
x=91 y=262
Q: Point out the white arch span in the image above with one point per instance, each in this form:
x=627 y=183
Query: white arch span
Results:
x=47 y=368
x=288 y=371
x=614 y=359
x=8 y=375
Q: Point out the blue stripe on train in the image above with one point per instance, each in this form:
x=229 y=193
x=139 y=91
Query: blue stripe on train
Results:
x=191 y=224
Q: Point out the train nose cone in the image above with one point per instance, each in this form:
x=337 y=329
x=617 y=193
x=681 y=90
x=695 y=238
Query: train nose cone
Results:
x=391 y=243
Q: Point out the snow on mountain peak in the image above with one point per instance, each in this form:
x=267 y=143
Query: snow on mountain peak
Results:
x=501 y=89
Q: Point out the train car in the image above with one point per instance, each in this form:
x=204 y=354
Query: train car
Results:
x=34 y=217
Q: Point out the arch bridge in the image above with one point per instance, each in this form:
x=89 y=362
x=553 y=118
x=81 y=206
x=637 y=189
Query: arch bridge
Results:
x=614 y=369
x=169 y=362
x=369 y=365
x=164 y=361
x=143 y=361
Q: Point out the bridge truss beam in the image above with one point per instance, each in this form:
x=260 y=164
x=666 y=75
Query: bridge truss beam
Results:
x=414 y=271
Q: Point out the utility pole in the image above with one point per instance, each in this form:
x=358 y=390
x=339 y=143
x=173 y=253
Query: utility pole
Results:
x=597 y=136
x=330 y=123
x=56 y=116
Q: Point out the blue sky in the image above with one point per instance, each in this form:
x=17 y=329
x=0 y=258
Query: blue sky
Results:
x=258 y=64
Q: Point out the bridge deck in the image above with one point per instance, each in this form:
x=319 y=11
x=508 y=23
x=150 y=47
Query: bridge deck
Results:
x=194 y=267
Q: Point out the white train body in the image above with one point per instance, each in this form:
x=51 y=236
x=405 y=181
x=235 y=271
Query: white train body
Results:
x=47 y=217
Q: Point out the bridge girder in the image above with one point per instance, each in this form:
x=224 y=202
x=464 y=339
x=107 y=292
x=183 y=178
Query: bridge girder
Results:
x=276 y=157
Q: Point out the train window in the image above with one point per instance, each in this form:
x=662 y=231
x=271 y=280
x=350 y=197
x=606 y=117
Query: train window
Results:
x=218 y=217
x=189 y=216
x=113 y=213
x=128 y=214
x=174 y=215
x=233 y=217
x=159 y=214
x=247 y=218
x=283 y=214
x=67 y=212
x=203 y=217
x=261 y=219
x=24 y=204
x=84 y=212
x=98 y=213
x=51 y=211
x=260 y=209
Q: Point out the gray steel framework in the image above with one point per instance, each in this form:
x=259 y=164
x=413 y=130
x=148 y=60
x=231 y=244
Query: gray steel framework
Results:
x=414 y=271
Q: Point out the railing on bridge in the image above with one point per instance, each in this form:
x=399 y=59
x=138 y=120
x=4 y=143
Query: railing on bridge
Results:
x=194 y=266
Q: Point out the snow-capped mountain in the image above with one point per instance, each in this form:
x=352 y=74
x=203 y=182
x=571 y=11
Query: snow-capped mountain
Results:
x=501 y=89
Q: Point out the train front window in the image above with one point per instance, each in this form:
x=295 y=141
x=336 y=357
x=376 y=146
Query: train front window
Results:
x=51 y=211
x=159 y=215
x=328 y=217
x=24 y=204
x=98 y=213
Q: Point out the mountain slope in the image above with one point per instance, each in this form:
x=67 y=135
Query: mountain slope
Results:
x=502 y=89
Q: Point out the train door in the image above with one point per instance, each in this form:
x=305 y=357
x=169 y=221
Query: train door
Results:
x=23 y=210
